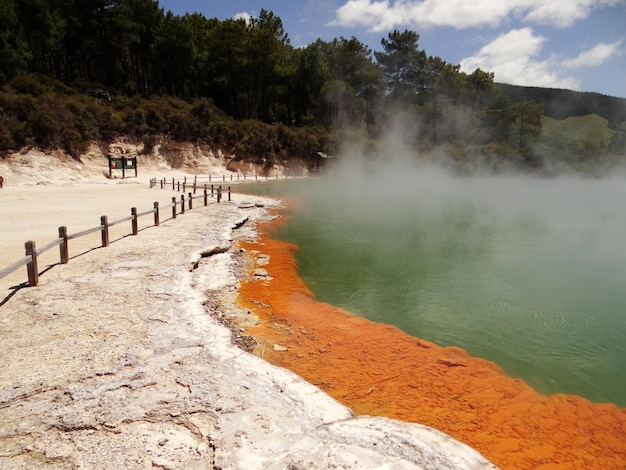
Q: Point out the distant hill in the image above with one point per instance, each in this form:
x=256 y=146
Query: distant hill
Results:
x=561 y=104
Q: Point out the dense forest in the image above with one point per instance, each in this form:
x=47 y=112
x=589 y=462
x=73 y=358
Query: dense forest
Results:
x=75 y=71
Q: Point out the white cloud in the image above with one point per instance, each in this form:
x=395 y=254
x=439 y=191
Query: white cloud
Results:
x=244 y=15
x=597 y=55
x=512 y=57
x=384 y=15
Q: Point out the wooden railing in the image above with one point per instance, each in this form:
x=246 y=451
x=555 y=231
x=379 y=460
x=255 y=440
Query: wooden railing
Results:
x=197 y=182
x=31 y=252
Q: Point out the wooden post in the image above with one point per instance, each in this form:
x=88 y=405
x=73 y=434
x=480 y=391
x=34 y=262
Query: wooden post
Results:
x=173 y=184
x=195 y=181
x=219 y=194
x=173 y=207
x=229 y=194
x=63 y=248
x=190 y=202
x=223 y=177
x=157 y=220
x=179 y=186
x=209 y=178
x=185 y=185
x=104 y=221
x=161 y=184
x=211 y=190
x=31 y=267
x=182 y=203
x=206 y=197
x=134 y=224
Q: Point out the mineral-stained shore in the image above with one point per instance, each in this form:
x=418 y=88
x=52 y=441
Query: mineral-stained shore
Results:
x=376 y=369
x=116 y=360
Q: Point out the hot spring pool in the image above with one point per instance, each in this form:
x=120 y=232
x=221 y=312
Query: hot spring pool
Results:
x=528 y=273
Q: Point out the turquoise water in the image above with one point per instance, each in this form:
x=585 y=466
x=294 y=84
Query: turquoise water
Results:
x=528 y=273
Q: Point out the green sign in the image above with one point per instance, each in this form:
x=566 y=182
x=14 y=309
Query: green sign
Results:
x=122 y=163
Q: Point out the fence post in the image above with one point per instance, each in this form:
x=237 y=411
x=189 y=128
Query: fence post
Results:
x=173 y=207
x=195 y=180
x=104 y=221
x=63 y=248
x=185 y=185
x=31 y=267
x=190 y=202
x=206 y=202
x=178 y=186
x=161 y=184
x=211 y=190
x=223 y=177
x=133 y=212
x=182 y=203
x=157 y=220
x=173 y=184
x=229 y=194
x=219 y=194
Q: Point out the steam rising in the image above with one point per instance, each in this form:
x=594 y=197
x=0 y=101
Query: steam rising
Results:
x=510 y=267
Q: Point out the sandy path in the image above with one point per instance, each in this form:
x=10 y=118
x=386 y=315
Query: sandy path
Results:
x=35 y=213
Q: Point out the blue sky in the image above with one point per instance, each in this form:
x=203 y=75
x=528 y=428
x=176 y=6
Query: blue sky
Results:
x=573 y=44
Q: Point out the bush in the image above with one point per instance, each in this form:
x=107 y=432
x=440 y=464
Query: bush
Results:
x=44 y=112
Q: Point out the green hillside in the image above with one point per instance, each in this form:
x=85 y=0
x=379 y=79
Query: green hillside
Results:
x=581 y=143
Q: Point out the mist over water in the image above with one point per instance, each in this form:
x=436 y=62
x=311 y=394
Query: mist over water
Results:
x=526 y=272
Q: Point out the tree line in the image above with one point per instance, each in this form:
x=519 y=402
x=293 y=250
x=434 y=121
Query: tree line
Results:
x=114 y=61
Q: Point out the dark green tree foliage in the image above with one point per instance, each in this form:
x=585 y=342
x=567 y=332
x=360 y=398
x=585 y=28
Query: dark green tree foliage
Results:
x=403 y=67
x=13 y=48
x=311 y=72
x=350 y=91
x=443 y=89
x=72 y=71
x=267 y=59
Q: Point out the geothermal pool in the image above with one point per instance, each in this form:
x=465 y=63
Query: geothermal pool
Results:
x=528 y=273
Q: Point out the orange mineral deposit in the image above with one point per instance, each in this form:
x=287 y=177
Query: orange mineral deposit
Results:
x=376 y=369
